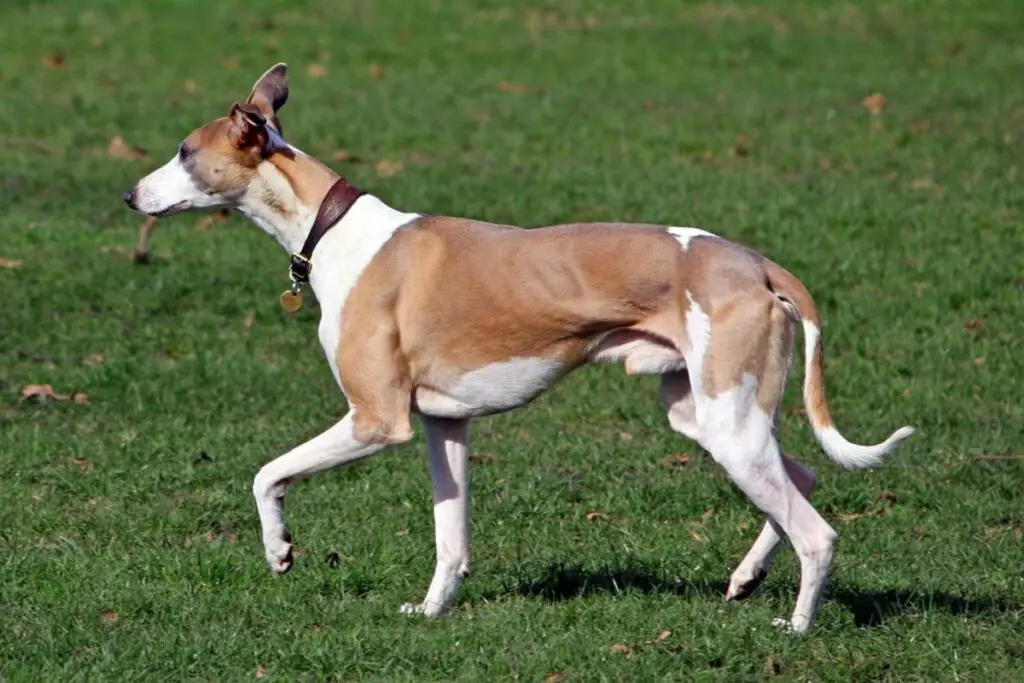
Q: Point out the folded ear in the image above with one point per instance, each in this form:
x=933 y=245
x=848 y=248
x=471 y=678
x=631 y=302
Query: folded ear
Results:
x=249 y=131
x=270 y=92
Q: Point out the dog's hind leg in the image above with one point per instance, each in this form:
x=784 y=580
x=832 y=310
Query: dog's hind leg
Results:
x=753 y=569
x=448 y=457
x=740 y=385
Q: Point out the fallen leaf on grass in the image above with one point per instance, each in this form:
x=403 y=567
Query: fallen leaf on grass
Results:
x=677 y=460
x=376 y=72
x=621 y=649
x=741 y=147
x=875 y=103
x=625 y=436
x=517 y=88
x=117 y=148
x=972 y=324
x=316 y=70
x=54 y=60
x=81 y=463
x=387 y=168
x=954 y=48
x=921 y=184
x=109 y=616
x=554 y=677
x=250 y=318
x=94 y=359
x=771 y=667
x=10 y=263
x=979 y=361
x=482 y=456
x=595 y=516
x=261 y=672
x=661 y=637
x=706 y=515
x=43 y=392
x=97 y=41
x=190 y=86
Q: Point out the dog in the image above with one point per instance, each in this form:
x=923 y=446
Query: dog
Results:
x=454 y=318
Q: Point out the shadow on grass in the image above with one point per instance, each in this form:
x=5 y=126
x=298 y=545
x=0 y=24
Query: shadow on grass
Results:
x=870 y=608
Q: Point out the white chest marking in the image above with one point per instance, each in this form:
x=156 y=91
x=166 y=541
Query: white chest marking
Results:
x=491 y=389
x=698 y=330
x=340 y=258
x=684 y=235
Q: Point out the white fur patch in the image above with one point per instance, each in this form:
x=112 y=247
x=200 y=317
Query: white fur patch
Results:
x=170 y=186
x=684 y=235
x=491 y=389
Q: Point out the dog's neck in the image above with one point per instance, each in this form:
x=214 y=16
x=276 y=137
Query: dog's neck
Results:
x=284 y=197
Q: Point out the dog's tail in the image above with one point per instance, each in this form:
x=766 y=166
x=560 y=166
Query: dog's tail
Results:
x=849 y=455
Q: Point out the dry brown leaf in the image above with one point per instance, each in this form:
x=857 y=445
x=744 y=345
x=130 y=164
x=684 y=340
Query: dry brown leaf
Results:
x=825 y=164
x=376 y=72
x=677 y=460
x=261 y=672
x=590 y=21
x=119 y=149
x=875 y=103
x=81 y=463
x=621 y=649
x=906 y=393
x=97 y=41
x=517 y=88
x=954 y=48
x=54 y=60
x=342 y=155
x=482 y=456
x=554 y=677
x=43 y=392
x=190 y=86
x=979 y=361
x=661 y=637
x=594 y=516
x=316 y=70
x=80 y=397
x=771 y=667
x=625 y=436
x=387 y=168
x=972 y=324
x=920 y=184
x=401 y=533
x=10 y=263
x=109 y=616
x=94 y=359
x=741 y=147
x=848 y=516
x=706 y=515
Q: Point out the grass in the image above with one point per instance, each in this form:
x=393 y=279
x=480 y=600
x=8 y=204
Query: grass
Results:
x=129 y=546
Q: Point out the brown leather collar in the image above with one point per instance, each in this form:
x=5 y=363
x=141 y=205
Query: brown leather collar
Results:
x=333 y=208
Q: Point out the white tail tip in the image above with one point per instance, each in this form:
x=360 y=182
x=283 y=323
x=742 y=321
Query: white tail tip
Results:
x=854 y=456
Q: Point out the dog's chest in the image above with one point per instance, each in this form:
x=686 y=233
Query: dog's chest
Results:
x=339 y=260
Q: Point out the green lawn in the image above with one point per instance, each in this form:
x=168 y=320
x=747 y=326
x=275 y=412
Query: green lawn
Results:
x=129 y=541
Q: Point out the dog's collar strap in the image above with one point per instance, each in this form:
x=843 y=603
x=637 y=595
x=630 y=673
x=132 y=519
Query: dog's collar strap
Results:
x=333 y=208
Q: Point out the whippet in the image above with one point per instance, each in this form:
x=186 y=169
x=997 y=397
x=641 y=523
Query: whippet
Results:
x=454 y=318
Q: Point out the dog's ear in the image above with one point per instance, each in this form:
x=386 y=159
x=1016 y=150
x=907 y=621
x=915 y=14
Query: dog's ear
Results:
x=249 y=131
x=270 y=93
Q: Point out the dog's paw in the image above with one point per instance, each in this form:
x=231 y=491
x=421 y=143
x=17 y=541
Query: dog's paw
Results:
x=741 y=588
x=798 y=625
x=279 y=553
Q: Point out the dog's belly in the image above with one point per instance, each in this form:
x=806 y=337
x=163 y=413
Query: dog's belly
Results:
x=641 y=352
x=490 y=389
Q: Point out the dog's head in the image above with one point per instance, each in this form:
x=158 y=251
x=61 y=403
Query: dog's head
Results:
x=215 y=163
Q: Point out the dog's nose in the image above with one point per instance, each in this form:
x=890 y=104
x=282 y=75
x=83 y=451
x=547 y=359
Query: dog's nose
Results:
x=129 y=197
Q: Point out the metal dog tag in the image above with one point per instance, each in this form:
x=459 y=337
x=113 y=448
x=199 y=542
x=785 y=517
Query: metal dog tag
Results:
x=291 y=301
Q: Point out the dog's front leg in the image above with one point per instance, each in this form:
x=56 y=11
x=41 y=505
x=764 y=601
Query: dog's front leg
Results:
x=448 y=457
x=336 y=446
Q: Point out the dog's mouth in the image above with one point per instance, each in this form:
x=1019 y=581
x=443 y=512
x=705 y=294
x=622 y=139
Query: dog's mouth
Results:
x=170 y=210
